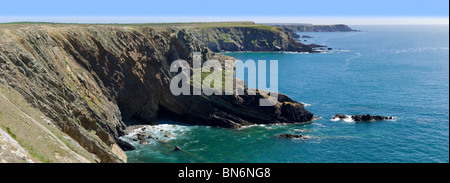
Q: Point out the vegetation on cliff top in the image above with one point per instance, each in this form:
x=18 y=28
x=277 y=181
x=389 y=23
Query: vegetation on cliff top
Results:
x=180 y=25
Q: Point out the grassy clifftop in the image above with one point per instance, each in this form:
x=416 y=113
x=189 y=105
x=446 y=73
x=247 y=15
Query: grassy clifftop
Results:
x=217 y=36
x=183 y=25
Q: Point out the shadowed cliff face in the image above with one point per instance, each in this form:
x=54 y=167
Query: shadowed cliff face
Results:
x=89 y=79
x=248 y=39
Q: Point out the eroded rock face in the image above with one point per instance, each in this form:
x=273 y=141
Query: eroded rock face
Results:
x=248 y=39
x=90 y=79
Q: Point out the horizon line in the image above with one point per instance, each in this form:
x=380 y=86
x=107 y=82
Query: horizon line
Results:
x=315 y=20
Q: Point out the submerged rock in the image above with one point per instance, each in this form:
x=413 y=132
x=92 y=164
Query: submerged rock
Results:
x=293 y=136
x=177 y=148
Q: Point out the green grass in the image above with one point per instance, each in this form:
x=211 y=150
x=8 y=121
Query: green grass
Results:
x=38 y=155
x=10 y=133
x=32 y=137
x=64 y=62
x=75 y=120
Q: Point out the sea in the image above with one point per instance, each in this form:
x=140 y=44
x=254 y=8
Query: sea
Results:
x=388 y=70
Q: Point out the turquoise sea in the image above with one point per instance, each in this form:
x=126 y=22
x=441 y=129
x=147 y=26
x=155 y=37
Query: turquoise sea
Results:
x=400 y=71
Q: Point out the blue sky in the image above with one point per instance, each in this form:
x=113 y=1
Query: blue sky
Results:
x=33 y=9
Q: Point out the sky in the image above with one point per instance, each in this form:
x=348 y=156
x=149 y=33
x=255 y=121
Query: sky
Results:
x=262 y=11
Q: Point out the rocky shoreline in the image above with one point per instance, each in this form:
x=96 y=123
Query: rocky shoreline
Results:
x=88 y=79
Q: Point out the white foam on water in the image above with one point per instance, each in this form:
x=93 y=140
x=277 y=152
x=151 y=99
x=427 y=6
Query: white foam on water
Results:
x=268 y=127
x=301 y=130
x=335 y=119
x=394 y=118
x=294 y=52
x=320 y=125
x=164 y=132
x=305 y=104
x=347 y=119
x=316 y=118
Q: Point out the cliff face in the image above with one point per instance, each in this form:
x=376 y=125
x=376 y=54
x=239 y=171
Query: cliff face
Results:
x=86 y=81
x=263 y=38
x=316 y=28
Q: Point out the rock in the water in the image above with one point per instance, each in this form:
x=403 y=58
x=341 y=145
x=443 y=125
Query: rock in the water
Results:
x=126 y=146
x=135 y=139
x=368 y=117
x=141 y=136
x=177 y=148
x=339 y=116
x=291 y=136
x=365 y=117
x=144 y=142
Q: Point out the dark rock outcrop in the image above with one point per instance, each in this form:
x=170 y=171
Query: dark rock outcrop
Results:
x=365 y=117
x=368 y=117
x=292 y=136
x=339 y=116
x=124 y=145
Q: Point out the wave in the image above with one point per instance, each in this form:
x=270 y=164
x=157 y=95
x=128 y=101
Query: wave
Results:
x=161 y=133
x=305 y=104
x=347 y=119
x=301 y=130
x=251 y=126
x=320 y=125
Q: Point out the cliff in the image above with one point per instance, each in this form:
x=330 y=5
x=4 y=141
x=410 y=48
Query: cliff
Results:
x=68 y=91
x=315 y=28
x=249 y=38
